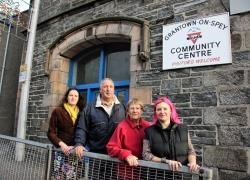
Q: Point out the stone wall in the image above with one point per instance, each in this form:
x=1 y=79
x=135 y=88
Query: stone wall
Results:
x=212 y=100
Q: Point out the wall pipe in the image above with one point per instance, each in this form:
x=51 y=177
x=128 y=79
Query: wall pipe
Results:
x=23 y=106
x=4 y=58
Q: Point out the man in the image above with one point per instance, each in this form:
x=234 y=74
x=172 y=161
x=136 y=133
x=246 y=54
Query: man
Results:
x=98 y=120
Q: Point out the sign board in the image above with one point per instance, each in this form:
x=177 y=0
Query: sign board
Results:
x=198 y=42
x=23 y=73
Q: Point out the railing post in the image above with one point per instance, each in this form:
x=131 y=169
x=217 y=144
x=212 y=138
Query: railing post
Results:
x=20 y=151
x=206 y=173
x=86 y=164
x=49 y=162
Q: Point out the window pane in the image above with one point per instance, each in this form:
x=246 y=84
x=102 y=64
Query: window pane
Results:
x=84 y=95
x=118 y=58
x=122 y=95
x=87 y=68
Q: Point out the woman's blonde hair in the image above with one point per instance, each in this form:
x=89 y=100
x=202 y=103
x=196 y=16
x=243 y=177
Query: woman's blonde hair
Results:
x=135 y=101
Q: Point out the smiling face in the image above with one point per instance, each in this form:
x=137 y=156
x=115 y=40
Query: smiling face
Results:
x=107 y=90
x=135 y=111
x=163 y=112
x=73 y=97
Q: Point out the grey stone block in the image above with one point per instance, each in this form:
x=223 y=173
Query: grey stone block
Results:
x=236 y=41
x=230 y=136
x=171 y=84
x=166 y=12
x=202 y=140
x=191 y=82
x=189 y=112
x=218 y=78
x=204 y=99
x=202 y=128
x=205 y=134
x=226 y=116
x=180 y=73
x=241 y=59
x=233 y=175
x=230 y=158
x=149 y=83
x=245 y=136
x=235 y=96
x=192 y=121
x=180 y=98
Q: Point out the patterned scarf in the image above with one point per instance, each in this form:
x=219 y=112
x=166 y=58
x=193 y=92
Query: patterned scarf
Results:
x=73 y=112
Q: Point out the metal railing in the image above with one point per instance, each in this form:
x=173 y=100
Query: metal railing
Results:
x=99 y=166
x=28 y=160
x=23 y=159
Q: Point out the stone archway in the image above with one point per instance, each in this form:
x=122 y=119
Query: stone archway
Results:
x=92 y=34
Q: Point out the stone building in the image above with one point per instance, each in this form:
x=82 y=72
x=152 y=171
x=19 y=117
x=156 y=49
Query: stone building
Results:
x=77 y=41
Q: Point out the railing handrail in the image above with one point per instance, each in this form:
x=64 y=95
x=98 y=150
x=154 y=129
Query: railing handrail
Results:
x=203 y=171
x=25 y=141
x=151 y=164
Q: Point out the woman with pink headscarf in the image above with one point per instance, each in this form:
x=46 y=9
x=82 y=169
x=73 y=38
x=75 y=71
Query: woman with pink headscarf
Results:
x=167 y=140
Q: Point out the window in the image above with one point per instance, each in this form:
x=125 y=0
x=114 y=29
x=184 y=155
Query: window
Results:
x=89 y=67
x=239 y=6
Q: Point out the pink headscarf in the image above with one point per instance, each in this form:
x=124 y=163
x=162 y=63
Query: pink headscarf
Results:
x=174 y=117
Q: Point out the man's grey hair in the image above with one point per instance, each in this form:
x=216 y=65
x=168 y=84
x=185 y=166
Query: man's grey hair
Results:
x=105 y=79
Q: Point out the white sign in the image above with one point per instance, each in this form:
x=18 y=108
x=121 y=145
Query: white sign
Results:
x=198 y=42
x=22 y=76
x=23 y=73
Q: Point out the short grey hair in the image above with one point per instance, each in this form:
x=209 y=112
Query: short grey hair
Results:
x=105 y=79
x=135 y=101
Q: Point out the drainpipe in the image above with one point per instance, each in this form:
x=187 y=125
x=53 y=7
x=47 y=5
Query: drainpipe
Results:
x=4 y=58
x=24 y=99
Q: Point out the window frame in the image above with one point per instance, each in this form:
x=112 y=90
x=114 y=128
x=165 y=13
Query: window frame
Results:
x=91 y=88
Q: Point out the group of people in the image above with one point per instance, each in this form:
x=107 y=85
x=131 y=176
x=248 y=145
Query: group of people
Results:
x=106 y=126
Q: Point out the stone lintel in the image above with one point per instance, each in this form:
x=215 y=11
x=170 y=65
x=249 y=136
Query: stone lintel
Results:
x=142 y=93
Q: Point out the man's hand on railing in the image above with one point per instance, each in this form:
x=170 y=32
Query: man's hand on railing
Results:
x=79 y=150
x=132 y=160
